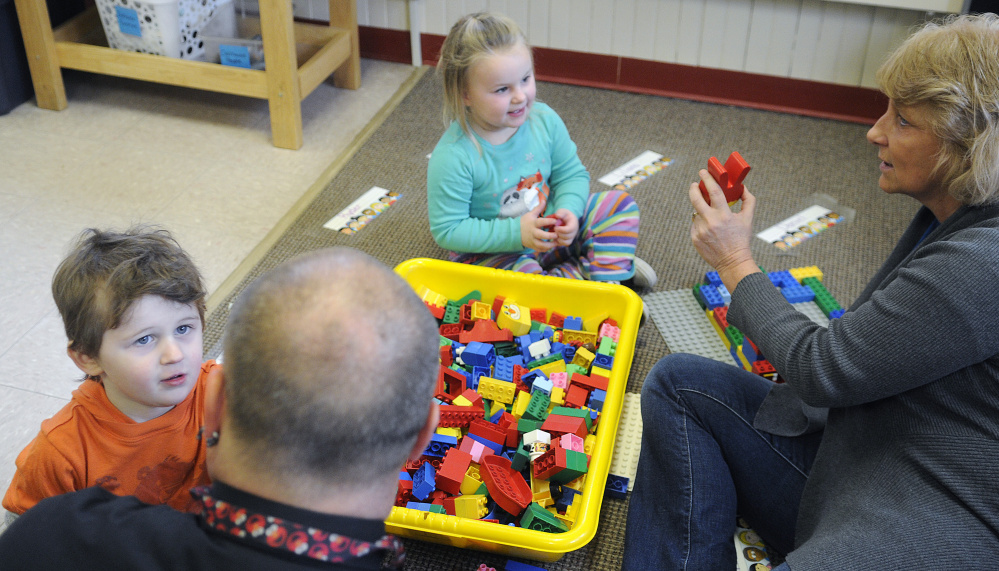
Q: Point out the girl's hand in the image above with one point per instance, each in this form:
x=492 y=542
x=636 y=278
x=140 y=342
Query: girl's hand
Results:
x=720 y=236
x=567 y=227
x=532 y=230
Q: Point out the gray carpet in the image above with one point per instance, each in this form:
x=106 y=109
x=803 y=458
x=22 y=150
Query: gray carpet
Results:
x=791 y=157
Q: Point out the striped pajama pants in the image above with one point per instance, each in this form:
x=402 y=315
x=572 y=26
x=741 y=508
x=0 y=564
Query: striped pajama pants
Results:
x=602 y=251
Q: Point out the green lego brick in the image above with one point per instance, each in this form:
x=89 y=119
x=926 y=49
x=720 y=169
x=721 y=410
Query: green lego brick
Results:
x=538 y=518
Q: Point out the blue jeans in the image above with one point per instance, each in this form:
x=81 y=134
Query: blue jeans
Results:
x=702 y=463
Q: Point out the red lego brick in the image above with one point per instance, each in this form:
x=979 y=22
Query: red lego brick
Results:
x=450 y=383
x=452 y=471
x=576 y=396
x=498 y=304
x=539 y=314
x=436 y=311
x=458 y=416
x=473 y=397
x=557 y=425
x=729 y=177
x=556 y=319
x=484 y=429
x=451 y=331
x=508 y=423
x=485 y=331
x=505 y=485
x=547 y=465
x=721 y=316
x=446 y=358
x=589 y=381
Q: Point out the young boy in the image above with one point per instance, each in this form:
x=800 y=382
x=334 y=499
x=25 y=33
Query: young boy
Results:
x=133 y=307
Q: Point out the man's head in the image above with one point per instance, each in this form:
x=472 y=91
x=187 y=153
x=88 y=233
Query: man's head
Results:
x=330 y=364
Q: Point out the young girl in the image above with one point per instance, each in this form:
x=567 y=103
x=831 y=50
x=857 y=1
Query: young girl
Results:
x=505 y=187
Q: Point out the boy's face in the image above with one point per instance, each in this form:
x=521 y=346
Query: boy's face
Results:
x=151 y=361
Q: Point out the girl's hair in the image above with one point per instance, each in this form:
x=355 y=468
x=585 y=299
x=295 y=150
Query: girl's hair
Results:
x=470 y=39
x=952 y=67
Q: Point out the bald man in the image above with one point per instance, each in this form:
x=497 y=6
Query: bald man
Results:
x=326 y=391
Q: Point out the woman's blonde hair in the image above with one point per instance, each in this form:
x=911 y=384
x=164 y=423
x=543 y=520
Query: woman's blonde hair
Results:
x=952 y=67
x=470 y=39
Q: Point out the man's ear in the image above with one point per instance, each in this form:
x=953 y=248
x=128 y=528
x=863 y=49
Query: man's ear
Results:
x=85 y=363
x=214 y=399
x=427 y=432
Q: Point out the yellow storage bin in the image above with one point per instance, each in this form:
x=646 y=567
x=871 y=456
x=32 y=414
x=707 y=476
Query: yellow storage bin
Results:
x=568 y=297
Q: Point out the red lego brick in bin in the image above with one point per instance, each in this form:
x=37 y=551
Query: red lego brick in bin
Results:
x=505 y=485
x=508 y=423
x=557 y=425
x=577 y=395
x=451 y=331
x=485 y=331
x=556 y=319
x=458 y=416
x=450 y=383
x=498 y=304
x=446 y=359
x=452 y=471
x=550 y=463
x=539 y=314
x=484 y=429
x=589 y=381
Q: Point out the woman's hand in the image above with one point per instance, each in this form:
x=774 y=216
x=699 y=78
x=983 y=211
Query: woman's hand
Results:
x=567 y=226
x=720 y=236
x=532 y=230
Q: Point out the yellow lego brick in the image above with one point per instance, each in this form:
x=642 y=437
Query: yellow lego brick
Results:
x=472 y=481
x=452 y=431
x=553 y=367
x=496 y=389
x=588 y=443
x=481 y=310
x=806 y=272
x=742 y=359
x=461 y=401
x=600 y=371
x=472 y=506
x=558 y=396
x=520 y=403
x=593 y=322
x=584 y=357
x=430 y=296
x=541 y=491
x=514 y=317
x=714 y=323
x=584 y=337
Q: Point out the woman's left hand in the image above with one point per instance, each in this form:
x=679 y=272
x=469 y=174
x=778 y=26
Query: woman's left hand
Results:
x=720 y=236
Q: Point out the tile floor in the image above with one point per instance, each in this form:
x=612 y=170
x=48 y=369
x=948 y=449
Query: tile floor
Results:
x=200 y=164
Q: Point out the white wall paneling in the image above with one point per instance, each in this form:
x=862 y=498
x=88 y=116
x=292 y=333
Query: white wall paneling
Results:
x=835 y=42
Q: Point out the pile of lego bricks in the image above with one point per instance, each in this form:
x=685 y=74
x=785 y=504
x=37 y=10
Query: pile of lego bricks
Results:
x=798 y=285
x=520 y=398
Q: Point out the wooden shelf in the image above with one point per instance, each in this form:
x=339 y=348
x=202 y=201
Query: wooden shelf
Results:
x=80 y=44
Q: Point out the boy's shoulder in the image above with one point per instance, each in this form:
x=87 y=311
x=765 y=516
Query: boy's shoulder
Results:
x=84 y=401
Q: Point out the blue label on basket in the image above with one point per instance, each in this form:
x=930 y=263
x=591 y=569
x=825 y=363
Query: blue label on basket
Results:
x=128 y=21
x=236 y=56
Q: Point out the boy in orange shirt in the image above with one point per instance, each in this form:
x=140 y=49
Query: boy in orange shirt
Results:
x=133 y=307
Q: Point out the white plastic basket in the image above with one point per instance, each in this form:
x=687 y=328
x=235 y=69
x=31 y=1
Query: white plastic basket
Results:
x=163 y=27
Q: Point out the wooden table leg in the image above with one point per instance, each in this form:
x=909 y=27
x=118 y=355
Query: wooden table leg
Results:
x=39 y=44
x=343 y=14
x=284 y=93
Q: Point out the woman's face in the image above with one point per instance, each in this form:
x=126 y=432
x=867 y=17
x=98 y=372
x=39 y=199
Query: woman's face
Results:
x=908 y=151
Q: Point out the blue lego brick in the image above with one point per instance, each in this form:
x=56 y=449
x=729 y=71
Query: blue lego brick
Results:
x=473 y=377
x=836 y=313
x=494 y=446
x=424 y=481
x=512 y=565
x=573 y=323
x=478 y=354
x=712 y=298
x=713 y=278
x=528 y=379
x=597 y=397
x=751 y=355
x=568 y=353
x=603 y=361
x=782 y=279
x=724 y=293
x=404 y=475
x=797 y=293
x=439 y=445
x=617 y=487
